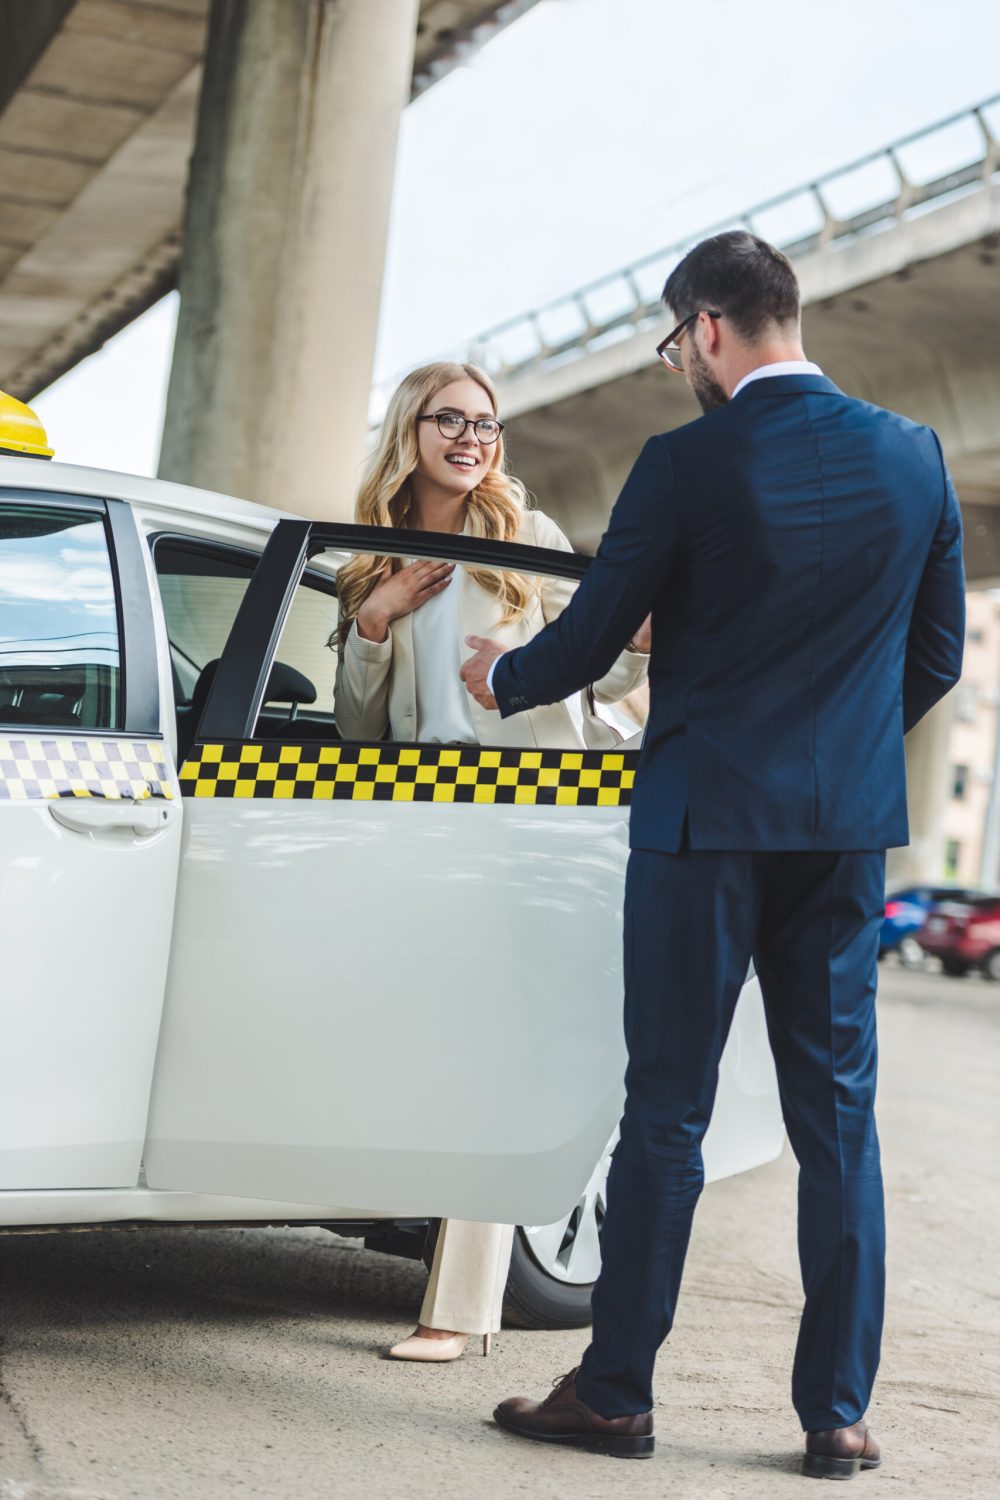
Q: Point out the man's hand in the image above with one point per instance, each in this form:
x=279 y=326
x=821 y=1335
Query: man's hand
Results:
x=475 y=670
x=643 y=638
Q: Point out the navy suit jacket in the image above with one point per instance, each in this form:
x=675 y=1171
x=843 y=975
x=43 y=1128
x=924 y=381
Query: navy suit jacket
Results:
x=801 y=553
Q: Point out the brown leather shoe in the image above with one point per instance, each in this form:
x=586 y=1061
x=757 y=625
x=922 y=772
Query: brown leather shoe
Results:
x=840 y=1452
x=563 y=1418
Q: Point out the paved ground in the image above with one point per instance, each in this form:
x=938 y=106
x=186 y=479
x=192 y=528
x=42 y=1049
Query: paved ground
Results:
x=241 y=1364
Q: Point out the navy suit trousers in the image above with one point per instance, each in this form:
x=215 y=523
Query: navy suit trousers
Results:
x=693 y=921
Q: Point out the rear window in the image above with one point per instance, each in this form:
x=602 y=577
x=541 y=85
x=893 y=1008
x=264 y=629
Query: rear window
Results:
x=60 y=664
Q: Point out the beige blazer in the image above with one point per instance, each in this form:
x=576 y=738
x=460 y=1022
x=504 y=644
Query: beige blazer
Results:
x=376 y=684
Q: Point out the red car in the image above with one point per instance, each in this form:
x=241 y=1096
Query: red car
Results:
x=964 y=935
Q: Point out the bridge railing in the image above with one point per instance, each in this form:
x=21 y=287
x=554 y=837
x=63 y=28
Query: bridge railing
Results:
x=874 y=192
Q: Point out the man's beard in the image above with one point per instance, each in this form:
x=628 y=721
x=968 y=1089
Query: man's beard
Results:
x=704 y=384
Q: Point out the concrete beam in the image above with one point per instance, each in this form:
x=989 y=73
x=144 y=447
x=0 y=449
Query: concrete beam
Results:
x=87 y=89
x=94 y=148
x=26 y=31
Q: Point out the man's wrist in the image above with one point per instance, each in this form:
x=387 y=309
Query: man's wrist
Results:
x=492 y=670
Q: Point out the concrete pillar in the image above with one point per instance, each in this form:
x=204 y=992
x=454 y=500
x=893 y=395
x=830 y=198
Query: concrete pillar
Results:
x=284 y=247
x=928 y=781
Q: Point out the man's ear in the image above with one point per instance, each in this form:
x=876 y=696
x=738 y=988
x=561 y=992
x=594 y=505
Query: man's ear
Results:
x=709 y=329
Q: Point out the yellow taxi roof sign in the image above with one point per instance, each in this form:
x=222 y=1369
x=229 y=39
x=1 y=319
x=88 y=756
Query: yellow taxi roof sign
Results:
x=21 y=432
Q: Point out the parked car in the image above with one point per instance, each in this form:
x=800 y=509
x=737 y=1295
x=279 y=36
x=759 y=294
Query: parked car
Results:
x=965 y=935
x=906 y=911
x=232 y=940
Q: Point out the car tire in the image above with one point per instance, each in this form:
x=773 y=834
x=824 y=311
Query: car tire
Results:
x=911 y=955
x=534 y=1299
x=991 y=965
x=553 y=1267
x=954 y=969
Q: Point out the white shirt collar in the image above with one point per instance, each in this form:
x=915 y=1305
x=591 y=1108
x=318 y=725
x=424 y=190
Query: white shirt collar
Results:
x=782 y=367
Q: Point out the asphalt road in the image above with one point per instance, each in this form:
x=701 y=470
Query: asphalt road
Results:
x=218 y=1364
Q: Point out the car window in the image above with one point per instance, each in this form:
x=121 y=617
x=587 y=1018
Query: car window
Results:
x=202 y=586
x=431 y=649
x=312 y=620
x=60 y=663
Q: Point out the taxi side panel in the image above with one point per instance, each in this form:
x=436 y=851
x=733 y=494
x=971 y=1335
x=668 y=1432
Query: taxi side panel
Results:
x=85 y=929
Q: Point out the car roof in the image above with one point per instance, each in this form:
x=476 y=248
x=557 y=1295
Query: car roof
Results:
x=75 y=479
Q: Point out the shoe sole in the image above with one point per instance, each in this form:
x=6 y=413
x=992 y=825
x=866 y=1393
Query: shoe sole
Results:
x=817 y=1466
x=606 y=1444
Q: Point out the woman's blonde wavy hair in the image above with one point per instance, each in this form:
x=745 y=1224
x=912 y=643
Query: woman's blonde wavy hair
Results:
x=496 y=505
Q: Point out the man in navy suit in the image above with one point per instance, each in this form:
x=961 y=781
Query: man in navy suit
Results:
x=801 y=553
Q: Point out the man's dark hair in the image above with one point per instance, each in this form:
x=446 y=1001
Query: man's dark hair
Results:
x=747 y=279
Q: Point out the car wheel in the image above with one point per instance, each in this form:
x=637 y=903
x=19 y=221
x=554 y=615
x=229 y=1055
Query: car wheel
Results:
x=911 y=955
x=991 y=965
x=553 y=1267
x=953 y=967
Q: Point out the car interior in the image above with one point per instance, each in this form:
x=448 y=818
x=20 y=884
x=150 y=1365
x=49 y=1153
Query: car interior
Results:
x=61 y=697
x=201 y=586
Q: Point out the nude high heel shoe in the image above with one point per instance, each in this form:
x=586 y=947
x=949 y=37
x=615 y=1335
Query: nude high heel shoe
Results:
x=435 y=1351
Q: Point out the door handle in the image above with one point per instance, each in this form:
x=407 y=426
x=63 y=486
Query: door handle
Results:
x=94 y=815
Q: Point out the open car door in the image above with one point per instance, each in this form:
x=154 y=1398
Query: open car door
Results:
x=395 y=982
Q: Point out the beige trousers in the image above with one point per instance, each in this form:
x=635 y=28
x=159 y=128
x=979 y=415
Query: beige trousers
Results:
x=468 y=1277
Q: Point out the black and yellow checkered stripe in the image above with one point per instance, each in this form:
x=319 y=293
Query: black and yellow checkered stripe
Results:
x=71 y=765
x=396 y=773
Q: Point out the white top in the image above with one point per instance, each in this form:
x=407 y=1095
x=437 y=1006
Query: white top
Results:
x=444 y=713
x=781 y=367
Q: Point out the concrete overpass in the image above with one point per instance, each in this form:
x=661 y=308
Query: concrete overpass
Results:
x=98 y=109
x=902 y=307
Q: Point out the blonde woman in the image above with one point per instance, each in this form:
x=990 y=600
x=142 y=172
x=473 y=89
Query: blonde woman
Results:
x=439 y=466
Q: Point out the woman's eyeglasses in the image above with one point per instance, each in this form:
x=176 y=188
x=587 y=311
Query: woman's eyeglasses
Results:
x=451 y=425
x=667 y=349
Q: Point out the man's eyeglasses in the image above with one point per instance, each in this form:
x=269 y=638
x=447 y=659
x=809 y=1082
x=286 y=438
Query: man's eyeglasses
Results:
x=451 y=425
x=667 y=349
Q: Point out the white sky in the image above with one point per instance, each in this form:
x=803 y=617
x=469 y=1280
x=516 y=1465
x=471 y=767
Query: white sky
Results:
x=588 y=134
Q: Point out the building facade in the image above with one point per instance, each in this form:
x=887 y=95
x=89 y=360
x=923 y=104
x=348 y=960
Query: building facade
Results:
x=973 y=745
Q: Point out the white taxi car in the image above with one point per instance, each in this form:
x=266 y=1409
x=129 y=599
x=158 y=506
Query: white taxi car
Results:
x=233 y=942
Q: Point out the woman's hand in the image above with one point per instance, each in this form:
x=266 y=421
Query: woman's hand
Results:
x=398 y=594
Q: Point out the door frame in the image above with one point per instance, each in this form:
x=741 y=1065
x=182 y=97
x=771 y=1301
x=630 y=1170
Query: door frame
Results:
x=234 y=702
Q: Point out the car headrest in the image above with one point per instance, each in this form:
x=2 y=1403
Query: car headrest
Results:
x=286 y=685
